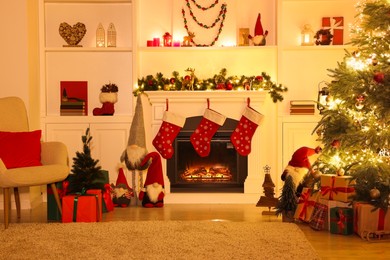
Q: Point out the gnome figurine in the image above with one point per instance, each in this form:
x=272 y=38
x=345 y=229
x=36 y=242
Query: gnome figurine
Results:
x=122 y=192
x=299 y=165
x=152 y=195
x=259 y=38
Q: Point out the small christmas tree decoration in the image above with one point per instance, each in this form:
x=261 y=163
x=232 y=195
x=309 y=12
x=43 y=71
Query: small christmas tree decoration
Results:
x=85 y=173
x=268 y=200
x=287 y=201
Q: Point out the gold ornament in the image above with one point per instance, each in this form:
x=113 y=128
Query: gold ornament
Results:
x=375 y=193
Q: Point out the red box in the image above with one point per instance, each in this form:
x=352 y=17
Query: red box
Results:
x=81 y=208
x=98 y=193
x=336 y=26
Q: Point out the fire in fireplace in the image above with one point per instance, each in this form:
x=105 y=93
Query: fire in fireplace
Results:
x=223 y=170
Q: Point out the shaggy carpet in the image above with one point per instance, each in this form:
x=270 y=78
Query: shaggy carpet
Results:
x=155 y=240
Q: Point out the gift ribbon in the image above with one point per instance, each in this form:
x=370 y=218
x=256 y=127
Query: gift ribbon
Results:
x=76 y=200
x=107 y=197
x=306 y=203
x=331 y=189
x=340 y=222
x=381 y=220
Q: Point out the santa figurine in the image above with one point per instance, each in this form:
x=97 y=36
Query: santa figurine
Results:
x=299 y=165
x=152 y=194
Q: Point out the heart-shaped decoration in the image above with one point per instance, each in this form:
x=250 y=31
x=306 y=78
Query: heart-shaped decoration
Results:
x=72 y=34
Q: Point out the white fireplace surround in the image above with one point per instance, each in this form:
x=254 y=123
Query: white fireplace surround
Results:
x=193 y=103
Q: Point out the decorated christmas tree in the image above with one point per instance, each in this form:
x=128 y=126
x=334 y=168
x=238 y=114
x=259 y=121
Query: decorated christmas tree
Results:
x=354 y=128
x=85 y=173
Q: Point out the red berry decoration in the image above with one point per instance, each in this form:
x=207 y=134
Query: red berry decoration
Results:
x=379 y=77
x=221 y=86
x=259 y=78
x=336 y=144
x=150 y=82
x=172 y=80
x=229 y=86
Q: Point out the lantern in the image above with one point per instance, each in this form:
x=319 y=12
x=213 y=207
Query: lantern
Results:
x=111 y=36
x=100 y=36
x=167 y=39
x=323 y=96
x=307 y=36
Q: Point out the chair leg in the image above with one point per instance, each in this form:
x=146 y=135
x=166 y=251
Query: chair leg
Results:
x=57 y=197
x=7 y=203
x=17 y=201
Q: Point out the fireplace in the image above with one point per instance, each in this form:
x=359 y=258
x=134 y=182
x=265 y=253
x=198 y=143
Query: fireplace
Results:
x=223 y=170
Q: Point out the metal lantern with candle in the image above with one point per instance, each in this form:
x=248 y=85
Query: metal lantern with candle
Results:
x=323 y=96
x=111 y=36
x=307 y=35
x=100 y=36
x=167 y=39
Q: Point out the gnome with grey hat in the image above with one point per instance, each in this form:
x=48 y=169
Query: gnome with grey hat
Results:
x=136 y=150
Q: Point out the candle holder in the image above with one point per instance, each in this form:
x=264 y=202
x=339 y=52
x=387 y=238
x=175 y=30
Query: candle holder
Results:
x=111 y=36
x=167 y=40
x=307 y=35
x=100 y=36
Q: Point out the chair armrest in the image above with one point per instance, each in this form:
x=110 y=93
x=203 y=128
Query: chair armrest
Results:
x=54 y=153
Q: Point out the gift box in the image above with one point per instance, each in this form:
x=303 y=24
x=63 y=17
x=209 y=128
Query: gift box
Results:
x=319 y=218
x=81 y=208
x=98 y=193
x=107 y=204
x=335 y=187
x=368 y=219
x=332 y=204
x=336 y=26
x=305 y=206
x=53 y=213
x=341 y=221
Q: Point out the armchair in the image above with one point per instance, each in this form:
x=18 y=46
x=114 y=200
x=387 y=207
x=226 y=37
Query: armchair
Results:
x=52 y=165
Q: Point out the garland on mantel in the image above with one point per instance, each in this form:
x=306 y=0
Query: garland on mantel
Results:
x=219 y=81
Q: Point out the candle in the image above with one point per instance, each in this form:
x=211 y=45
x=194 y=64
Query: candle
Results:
x=156 y=42
x=176 y=44
x=149 y=43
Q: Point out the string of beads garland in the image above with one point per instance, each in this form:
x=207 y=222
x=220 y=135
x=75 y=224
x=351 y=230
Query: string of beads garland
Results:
x=222 y=13
x=204 y=8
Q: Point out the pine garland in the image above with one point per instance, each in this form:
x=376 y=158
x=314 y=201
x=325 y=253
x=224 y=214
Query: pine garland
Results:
x=219 y=81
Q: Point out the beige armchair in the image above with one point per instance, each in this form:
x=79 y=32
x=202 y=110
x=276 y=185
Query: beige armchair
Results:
x=54 y=158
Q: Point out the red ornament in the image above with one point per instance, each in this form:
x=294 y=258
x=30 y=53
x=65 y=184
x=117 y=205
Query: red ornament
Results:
x=172 y=80
x=259 y=78
x=360 y=98
x=220 y=85
x=229 y=86
x=336 y=144
x=187 y=77
x=379 y=77
x=150 y=82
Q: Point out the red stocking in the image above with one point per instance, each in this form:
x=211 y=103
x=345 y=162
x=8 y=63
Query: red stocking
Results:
x=206 y=129
x=169 y=129
x=245 y=129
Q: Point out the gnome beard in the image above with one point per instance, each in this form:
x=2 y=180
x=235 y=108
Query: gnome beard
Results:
x=133 y=156
x=154 y=192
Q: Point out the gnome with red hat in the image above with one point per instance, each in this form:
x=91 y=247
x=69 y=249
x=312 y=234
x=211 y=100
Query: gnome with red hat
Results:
x=152 y=195
x=300 y=164
x=122 y=192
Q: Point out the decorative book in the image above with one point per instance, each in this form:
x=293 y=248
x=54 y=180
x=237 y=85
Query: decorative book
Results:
x=74 y=98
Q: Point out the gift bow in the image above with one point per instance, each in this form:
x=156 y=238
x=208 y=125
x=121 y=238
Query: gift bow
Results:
x=331 y=189
x=342 y=219
x=306 y=203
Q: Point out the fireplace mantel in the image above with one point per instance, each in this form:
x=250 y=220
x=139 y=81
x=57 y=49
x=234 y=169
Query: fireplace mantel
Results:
x=193 y=103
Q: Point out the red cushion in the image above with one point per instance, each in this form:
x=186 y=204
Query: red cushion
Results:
x=20 y=149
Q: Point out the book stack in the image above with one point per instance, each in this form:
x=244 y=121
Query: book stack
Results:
x=73 y=107
x=302 y=107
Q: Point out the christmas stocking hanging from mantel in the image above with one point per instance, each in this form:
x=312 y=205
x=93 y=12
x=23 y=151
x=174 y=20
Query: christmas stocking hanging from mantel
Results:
x=169 y=129
x=206 y=129
x=245 y=129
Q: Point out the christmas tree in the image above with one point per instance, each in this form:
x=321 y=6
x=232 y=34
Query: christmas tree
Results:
x=287 y=201
x=354 y=128
x=85 y=173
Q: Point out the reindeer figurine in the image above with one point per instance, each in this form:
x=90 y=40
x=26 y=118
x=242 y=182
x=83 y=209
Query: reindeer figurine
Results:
x=188 y=81
x=187 y=40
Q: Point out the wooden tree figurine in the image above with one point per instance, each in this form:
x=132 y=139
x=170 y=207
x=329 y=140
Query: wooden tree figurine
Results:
x=287 y=202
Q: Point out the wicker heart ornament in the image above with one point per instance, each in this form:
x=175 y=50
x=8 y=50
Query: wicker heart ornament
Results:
x=72 y=34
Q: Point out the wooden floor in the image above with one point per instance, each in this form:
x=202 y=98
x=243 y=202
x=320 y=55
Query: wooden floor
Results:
x=328 y=246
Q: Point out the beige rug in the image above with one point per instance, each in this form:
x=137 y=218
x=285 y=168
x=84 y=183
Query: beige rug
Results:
x=155 y=240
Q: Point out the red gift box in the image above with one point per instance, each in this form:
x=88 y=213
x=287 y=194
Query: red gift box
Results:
x=100 y=201
x=367 y=220
x=81 y=208
x=305 y=205
x=336 y=26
